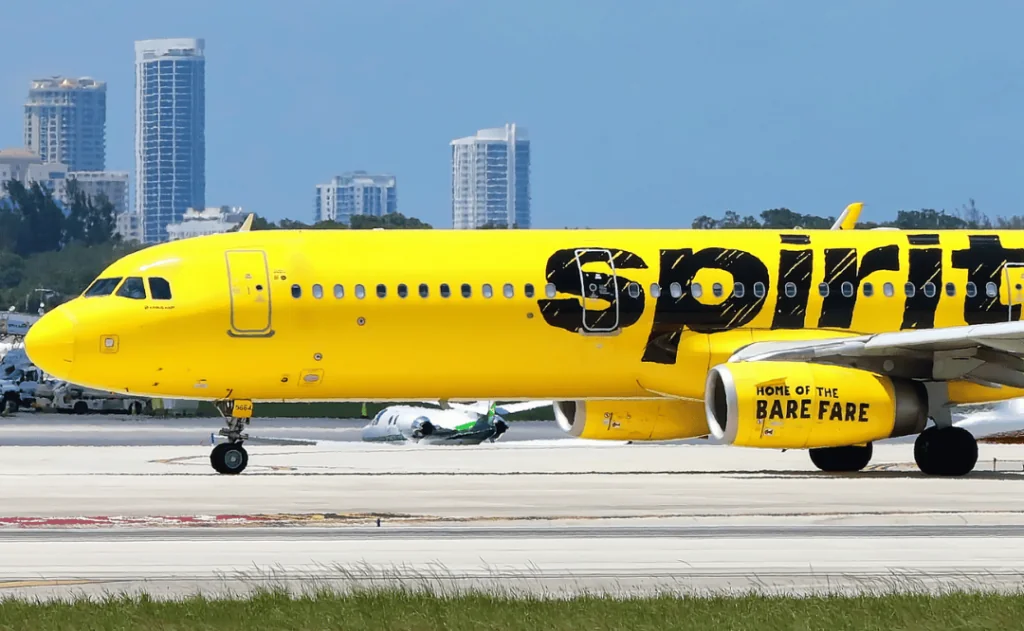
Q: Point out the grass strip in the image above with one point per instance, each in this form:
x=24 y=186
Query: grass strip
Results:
x=399 y=610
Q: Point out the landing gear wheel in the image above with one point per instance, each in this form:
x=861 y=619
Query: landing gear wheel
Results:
x=229 y=458
x=842 y=459
x=946 y=451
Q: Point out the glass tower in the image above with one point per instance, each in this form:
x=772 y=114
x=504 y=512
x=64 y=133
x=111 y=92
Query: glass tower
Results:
x=170 y=137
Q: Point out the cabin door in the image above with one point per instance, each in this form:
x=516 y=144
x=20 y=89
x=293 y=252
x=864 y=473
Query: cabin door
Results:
x=1014 y=282
x=249 y=284
x=600 y=290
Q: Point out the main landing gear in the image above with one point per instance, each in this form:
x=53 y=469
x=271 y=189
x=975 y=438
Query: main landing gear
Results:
x=231 y=457
x=945 y=451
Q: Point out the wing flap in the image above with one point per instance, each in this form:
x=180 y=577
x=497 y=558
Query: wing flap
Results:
x=992 y=353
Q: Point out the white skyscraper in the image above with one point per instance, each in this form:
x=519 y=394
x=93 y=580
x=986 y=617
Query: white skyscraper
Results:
x=170 y=132
x=491 y=179
x=65 y=122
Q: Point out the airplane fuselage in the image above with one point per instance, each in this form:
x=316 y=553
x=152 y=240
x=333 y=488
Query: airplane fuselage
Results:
x=509 y=315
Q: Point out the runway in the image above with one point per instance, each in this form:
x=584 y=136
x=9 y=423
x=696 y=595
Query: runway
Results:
x=39 y=429
x=548 y=516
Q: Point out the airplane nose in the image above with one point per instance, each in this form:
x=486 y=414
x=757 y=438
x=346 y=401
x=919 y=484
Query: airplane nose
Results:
x=50 y=343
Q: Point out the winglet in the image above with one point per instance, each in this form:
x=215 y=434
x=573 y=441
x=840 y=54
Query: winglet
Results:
x=848 y=219
x=247 y=224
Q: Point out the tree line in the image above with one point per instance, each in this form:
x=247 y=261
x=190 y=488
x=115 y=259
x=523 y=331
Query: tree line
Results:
x=51 y=249
x=966 y=217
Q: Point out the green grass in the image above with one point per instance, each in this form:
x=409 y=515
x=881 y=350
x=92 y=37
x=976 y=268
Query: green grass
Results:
x=402 y=610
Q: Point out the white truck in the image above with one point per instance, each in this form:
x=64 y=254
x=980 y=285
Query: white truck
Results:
x=19 y=380
x=62 y=396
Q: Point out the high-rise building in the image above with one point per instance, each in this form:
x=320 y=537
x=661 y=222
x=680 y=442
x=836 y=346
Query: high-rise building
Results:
x=65 y=121
x=355 y=193
x=112 y=184
x=170 y=136
x=491 y=179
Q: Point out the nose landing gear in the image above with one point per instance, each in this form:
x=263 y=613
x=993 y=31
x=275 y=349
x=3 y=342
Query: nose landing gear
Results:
x=231 y=457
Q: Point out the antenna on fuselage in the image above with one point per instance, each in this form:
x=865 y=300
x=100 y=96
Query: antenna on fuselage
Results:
x=247 y=224
x=848 y=219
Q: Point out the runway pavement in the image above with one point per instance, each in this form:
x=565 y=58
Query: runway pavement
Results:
x=548 y=515
x=39 y=429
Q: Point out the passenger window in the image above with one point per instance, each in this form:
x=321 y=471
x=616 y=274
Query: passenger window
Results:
x=950 y=289
x=738 y=290
x=318 y=291
x=869 y=290
x=676 y=290
x=467 y=291
x=549 y=290
x=528 y=290
x=888 y=290
x=655 y=290
x=823 y=290
x=133 y=288
x=487 y=290
x=382 y=290
x=972 y=290
x=507 y=290
x=403 y=291
x=159 y=288
x=790 y=290
x=759 y=290
x=929 y=289
x=910 y=290
x=445 y=290
x=847 y=289
x=360 y=292
x=716 y=289
x=102 y=287
x=991 y=290
x=339 y=292
x=634 y=290
x=696 y=290
x=424 y=290
x=296 y=291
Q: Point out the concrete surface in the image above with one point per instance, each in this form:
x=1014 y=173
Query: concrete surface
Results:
x=543 y=515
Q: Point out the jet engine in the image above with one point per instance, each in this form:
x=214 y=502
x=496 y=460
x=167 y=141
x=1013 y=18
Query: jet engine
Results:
x=637 y=419
x=421 y=427
x=796 y=405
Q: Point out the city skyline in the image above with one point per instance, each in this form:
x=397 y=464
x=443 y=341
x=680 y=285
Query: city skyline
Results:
x=647 y=119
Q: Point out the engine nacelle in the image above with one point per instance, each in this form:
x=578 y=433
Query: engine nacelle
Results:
x=638 y=419
x=796 y=405
x=421 y=427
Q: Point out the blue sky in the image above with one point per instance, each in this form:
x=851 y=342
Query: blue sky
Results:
x=641 y=114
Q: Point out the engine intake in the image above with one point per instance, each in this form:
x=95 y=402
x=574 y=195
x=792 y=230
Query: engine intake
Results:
x=795 y=405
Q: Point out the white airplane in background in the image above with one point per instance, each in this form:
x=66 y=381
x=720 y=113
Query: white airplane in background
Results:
x=456 y=424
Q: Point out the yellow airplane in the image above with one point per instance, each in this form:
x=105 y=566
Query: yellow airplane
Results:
x=824 y=340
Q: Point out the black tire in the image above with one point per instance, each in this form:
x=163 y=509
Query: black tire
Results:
x=842 y=459
x=948 y=452
x=229 y=458
x=80 y=407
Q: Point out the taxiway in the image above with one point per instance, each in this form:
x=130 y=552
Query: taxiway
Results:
x=529 y=515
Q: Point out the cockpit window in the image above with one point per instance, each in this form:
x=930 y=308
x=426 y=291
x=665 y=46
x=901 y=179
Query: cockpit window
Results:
x=160 y=289
x=133 y=288
x=102 y=287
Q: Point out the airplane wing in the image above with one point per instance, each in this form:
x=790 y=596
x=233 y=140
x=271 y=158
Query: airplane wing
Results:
x=989 y=354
